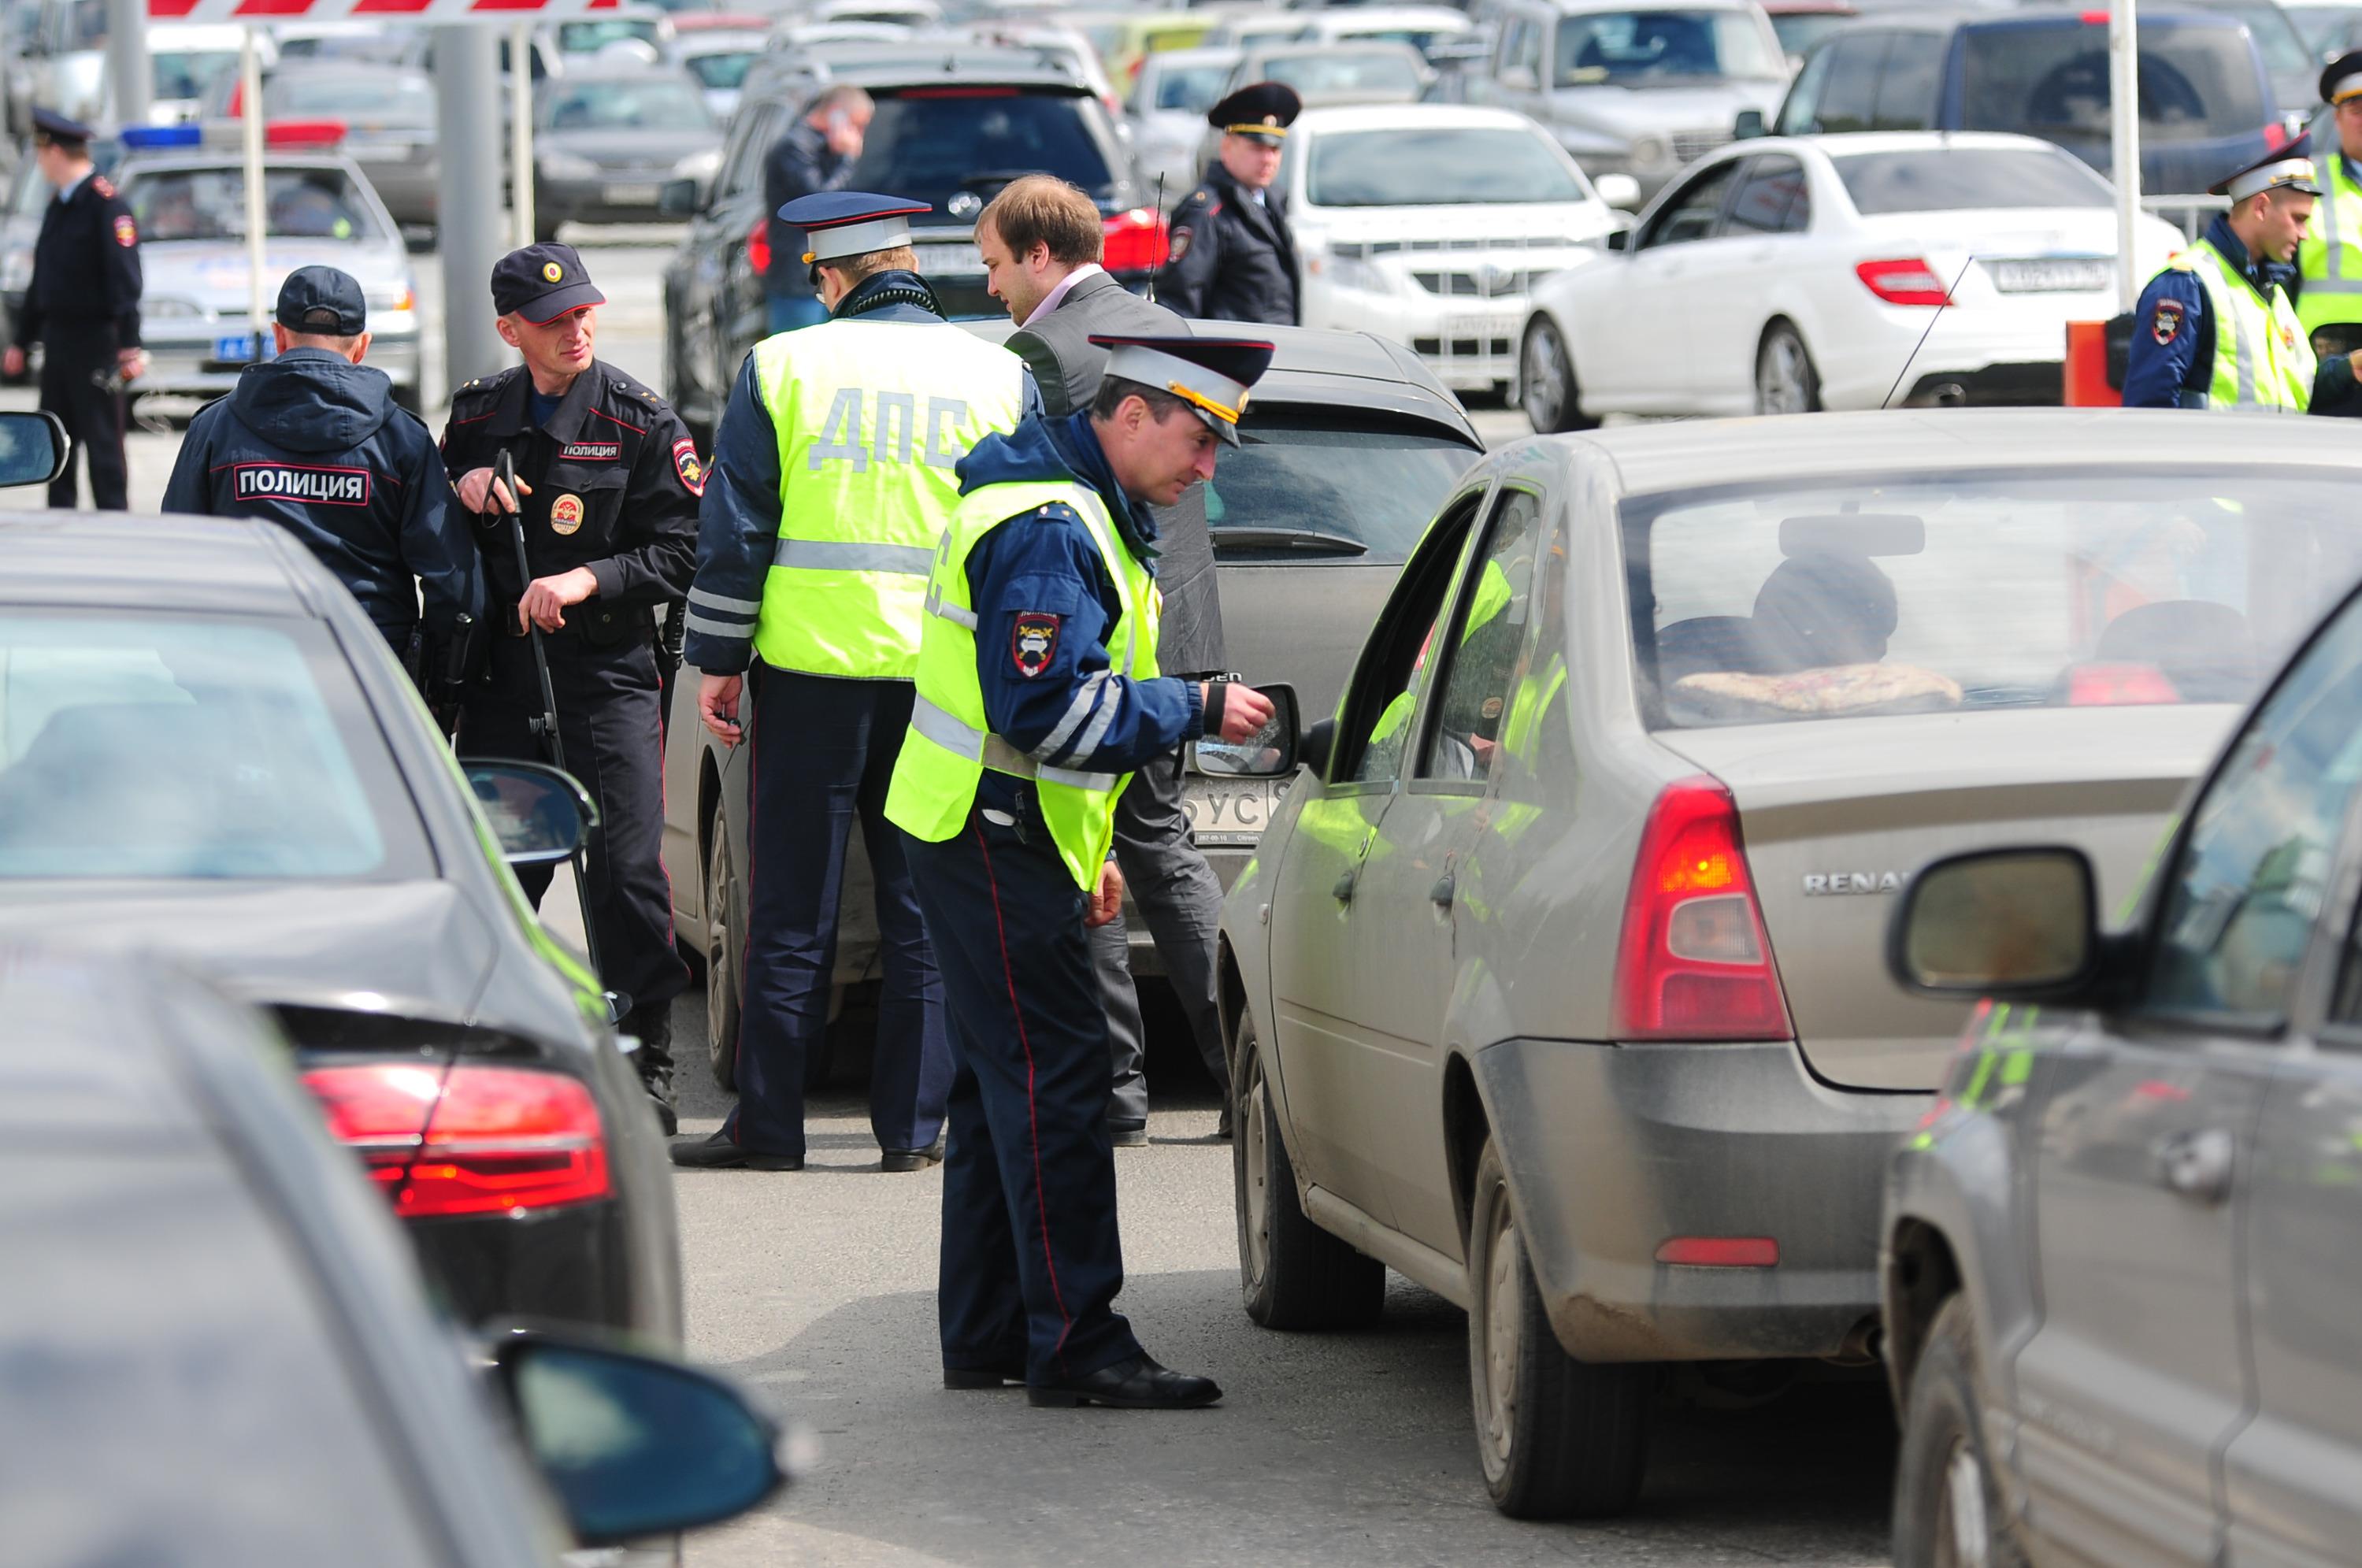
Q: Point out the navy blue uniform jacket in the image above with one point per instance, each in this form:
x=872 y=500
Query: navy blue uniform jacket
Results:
x=85 y=267
x=799 y=165
x=2171 y=361
x=317 y=443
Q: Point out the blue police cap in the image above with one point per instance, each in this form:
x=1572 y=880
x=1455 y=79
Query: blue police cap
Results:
x=324 y=302
x=57 y=127
x=1211 y=374
x=1261 y=111
x=838 y=224
x=542 y=283
x=2286 y=167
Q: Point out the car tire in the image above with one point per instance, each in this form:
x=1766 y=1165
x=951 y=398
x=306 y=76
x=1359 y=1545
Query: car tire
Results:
x=726 y=924
x=1293 y=1274
x=1785 y=378
x=1948 y=1511
x=1546 y=384
x=1558 y=1438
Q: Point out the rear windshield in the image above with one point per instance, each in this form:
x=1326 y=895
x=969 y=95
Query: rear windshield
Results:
x=722 y=72
x=1342 y=74
x=390 y=99
x=1979 y=591
x=191 y=73
x=933 y=145
x=630 y=105
x=209 y=203
x=2196 y=82
x=1662 y=48
x=590 y=38
x=1192 y=87
x=1303 y=486
x=1960 y=179
x=1436 y=168
x=158 y=747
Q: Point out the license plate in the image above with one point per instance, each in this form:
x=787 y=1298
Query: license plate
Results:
x=2054 y=275
x=1232 y=811
x=1492 y=323
x=235 y=351
x=957 y=260
x=630 y=196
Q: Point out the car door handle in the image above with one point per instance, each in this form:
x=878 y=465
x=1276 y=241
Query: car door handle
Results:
x=1343 y=891
x=1446 y=888
x=2198 y=1165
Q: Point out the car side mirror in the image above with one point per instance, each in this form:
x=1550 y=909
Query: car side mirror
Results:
x=2013 y=924
x=1270 y=753
x=1313 y=750
x=1618 y=190
x=635 y=1445
x=678 y=198
x=33 y=447
x=1747 y=125
x=540 y=815
x=1620 y=240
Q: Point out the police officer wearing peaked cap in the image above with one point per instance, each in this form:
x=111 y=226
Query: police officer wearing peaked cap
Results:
x=610 y=480
x=832 y=482
x=312 y=440
x=1037 y=694
x=82 y=305
x=2329 y=260
x=1232 y=256
x=2215 y=328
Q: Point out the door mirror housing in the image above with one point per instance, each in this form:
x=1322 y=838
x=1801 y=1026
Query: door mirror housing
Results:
x=1747 y=125
x=540 y=815
x=2012 y=924
x=678 y=198
x=635 y=1445
x=1271 y=752
x=33 y=447
x=1618 y=190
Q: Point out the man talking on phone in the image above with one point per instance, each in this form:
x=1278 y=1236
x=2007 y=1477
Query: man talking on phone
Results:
x=816 y=154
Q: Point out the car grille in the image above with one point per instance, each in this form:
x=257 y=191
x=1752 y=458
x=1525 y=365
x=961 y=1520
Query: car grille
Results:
x=1481 y=285
x=1690 y=145
x=1463 y=348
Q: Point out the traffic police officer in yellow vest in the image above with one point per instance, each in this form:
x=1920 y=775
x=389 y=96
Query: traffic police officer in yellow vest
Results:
x=2215 y=328
x=2329 y=261
x=833 y=477
x=1038 y=695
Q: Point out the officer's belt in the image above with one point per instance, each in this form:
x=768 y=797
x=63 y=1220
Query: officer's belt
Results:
x=832 y=555
x=947 y=731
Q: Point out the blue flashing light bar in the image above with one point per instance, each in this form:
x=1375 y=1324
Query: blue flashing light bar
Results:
x=162 y=136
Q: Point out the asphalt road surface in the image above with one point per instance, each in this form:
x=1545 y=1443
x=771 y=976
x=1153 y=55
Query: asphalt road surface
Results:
x=818 y=1288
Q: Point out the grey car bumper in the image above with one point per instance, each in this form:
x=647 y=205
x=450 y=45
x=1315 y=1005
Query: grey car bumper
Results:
x=1611 y=1150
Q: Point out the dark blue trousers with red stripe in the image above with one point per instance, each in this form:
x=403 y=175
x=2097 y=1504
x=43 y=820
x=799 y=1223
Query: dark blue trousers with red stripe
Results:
x=1030 y=1259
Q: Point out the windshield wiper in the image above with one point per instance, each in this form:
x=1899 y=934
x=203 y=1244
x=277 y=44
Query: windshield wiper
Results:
x=1253 y=535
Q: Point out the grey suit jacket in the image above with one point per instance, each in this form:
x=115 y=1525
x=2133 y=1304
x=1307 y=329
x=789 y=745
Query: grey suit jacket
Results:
x=1067 y=367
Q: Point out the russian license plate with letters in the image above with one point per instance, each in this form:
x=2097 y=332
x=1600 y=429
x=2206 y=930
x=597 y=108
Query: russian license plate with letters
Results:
x=1230 y=810
x=2054 y=275
x=630 y=196
x=234 y=350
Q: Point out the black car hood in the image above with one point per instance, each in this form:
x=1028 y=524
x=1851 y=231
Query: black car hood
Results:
x=408 y=947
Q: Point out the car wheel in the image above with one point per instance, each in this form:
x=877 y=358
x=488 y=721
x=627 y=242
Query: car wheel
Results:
x=1546 y=384
x=1786 y=381
x=725 y=923
x=1558 y=1437
x=1948 y=1509
x=1293 y=1274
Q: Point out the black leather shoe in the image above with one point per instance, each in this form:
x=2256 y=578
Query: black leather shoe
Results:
x=1128 y=1135
x=1135 y=1385
x=965 y=1377
x=913 y=1159
x=667 y=1117
x=719 y=1154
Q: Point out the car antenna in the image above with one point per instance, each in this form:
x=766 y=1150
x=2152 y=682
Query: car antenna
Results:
x=1940 y=309
x=1157 y=271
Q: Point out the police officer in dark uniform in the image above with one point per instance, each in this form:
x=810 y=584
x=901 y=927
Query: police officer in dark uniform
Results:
x=312 y=440
x=83 y=307
x=610 y=480
x=1232 y=257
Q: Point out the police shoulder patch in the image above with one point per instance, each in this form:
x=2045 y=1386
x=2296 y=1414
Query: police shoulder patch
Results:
x=102 y=185
x=1176 y=244
x=685 y=463
x=127 y=233
x=1033 y=641
x=2165 y=321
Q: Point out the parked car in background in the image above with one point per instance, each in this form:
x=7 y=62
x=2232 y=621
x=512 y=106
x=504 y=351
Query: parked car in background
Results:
x=1801 y=24
x=2207 y=101
x=1632 y=91
x=1427 y=28
x=2118 y=1251
x=1374 y=73
x=608 y=137
x=1431 y=224
x=1249 y=26
x=387 y=113
x=1124 y=39
x=1839 y=272
x=2293 y=66
x=587 y=38
x=1558 y=984
x=187 y=59
x=718 y=49
x=1348 y=447
x=1169 y=100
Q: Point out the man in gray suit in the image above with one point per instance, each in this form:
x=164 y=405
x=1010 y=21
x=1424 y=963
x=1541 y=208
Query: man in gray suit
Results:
x=1042 y=239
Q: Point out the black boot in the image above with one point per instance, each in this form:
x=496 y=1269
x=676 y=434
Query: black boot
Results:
x=652 y=1023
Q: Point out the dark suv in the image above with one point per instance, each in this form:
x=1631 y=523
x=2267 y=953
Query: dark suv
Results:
x=951 y=129
x=2206 y=101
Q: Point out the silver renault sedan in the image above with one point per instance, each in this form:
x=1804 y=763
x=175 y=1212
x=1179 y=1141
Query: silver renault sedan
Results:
x=1557 y=985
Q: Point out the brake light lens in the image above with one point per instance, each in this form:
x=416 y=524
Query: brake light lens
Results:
x=2118 y=686
x=471 y=1139
x=1136 y=241
x=758 y=246
x=304 y=133
x=1906 y=281
x=1721 y=1252
x=1694 y=962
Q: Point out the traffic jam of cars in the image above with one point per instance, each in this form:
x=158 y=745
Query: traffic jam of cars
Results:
x=1806 y=836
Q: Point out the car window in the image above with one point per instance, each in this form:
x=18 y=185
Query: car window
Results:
x=1374 y=723
x=590 y=38
x=1432 y=167
x=1480 y=658
x=932 y=144
x=754 y=133
x=1190 y=87
x=1848 y=100
x=1695 y=210
x=2197 y=83
x=1302 y=474
x=1957 y=179
x=724 y=71
x=1803 y=104
x=158 y=746
x=1522 y=50
x=2237 y=911
x=1801 y=601
x=1657 y=47
x=1909 y=86
x=191 y=73
x=638 y=104
x=1773 y=199
x=209 y=203
x=1340 y=71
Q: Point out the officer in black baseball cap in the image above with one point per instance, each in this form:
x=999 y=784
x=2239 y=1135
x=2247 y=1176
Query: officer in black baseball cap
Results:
x=608 y=480
x=1232 y=257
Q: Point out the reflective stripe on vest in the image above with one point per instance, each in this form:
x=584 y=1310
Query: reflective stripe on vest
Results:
x=2330 y=256
x=870 y=416
x=2263 y=364
x=948 y=745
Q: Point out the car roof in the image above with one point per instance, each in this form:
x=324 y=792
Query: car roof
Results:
x=1688 y=455
x=1426 y=117
x=1839 y=142
x=119 y=560
x=1360 y=370
x=959 y=60
x=1208 y=54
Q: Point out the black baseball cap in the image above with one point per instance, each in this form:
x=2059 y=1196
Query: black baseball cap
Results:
x=324 y=302
x=542 y=283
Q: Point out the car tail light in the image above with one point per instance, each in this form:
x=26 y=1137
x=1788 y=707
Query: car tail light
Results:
x=1721 y=1252
x=1136 y=241
x=2276 y=136
x=468 y=1139
x=304 y=133
x=758 y=246
x=2118 y=686
x=1694 y=962
x=1907 y=281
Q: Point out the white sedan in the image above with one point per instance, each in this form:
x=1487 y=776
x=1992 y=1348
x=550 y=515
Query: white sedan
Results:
x=1429 y=224
x=1788 y=274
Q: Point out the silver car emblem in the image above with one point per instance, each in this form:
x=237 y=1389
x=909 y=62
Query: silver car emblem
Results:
x=1836 y=883
x=1499 y=280
x=965 y=203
